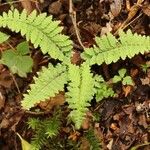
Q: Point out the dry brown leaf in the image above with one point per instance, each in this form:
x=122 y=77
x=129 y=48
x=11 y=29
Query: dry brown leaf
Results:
x=85 y=145
x=55 y=8
x=76 y=58
x=6 y=79
x=127 y=90
x=146 y=9
x=74 y=136
x=59 y=99
x=134 y=72
x=145 y=81
x=115 y=7
x=2 y=101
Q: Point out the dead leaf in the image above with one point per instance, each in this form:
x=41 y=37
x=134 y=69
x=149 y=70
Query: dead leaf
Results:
x=146 y=9
x=85 y=145
x=145 y=81
x=106 y=29
x=2 y=101
x=55 y=8
x=74 y=136
x=25 y=145
x=127 y=90
x=134 y=72
x=59 y=99
x=76 y=58
x=6 y=79
x=142 y=121
x=115 y=7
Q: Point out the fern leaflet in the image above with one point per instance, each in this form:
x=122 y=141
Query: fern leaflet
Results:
x=41 y=30
x=110 y=49
x=80 y=92
x=50 y=81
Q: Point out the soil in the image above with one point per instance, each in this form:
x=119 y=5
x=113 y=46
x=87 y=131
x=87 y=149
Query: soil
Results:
x=123 y=121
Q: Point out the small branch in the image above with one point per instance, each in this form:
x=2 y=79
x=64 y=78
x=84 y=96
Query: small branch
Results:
x=38 y=113
x=73 y=18
x=15 y=82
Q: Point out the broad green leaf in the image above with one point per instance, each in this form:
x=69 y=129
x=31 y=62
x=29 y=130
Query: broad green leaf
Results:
x=25 y=145
x=16 y=61
x=23 y=48
x=127 y=81
x=116 y=79
x=3 y=37
x=122 y=72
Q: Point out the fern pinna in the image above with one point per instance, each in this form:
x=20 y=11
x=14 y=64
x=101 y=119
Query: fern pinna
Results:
x=81 y=91
x=50 y=81
x=110 y=49
x=41 y=30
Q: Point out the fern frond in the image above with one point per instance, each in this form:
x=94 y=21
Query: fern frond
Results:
x=102 y=89
x=41 y=30
x=110 y=49
x=80 y=92
x=49 y=82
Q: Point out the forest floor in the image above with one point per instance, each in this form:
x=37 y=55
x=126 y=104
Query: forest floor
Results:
x=120 y=123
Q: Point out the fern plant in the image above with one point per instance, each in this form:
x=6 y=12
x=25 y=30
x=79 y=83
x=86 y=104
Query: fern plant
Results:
x=102 y=89
x=81 y=91
x=41 y=30
x=44 y=32
x=110 y=49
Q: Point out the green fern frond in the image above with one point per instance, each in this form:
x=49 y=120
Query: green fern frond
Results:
x=102 y=89
x=49 y=82
x=110 y=49
x=41 y=30
x=80 y=92
x=93 y=140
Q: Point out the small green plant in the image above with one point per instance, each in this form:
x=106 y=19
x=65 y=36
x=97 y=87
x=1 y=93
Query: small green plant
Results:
x=102 y=89
x=145 y=67
x=44 y=130
x=82 y=85
x=17 y=60
x=3 y=37
x=122 y=77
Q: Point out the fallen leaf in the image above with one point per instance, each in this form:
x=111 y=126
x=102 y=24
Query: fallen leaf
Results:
x=59 y=99
x=146 y=9
x=127 y=90
x=6 y=79
x=134 y=72
x=145 y=81
x=25 y=145
x=74 y=136
x=2 y=101
x=115 y=7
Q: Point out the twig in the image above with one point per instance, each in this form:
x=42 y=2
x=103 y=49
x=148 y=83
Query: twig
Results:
x=35 y=1
x=134 y=9
x=38 y=113
x=73 y=18
x=15 y=82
